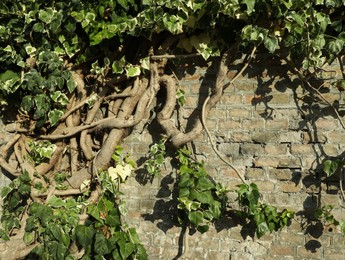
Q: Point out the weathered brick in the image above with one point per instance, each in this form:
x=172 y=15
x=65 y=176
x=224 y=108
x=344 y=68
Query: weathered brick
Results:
x=254 y=124
x=255 y=173
x=276 y=149
x=289 y=186
x=314 y=137
x=229 y=124
x=239 y=112
x=251 y=149
x=289 y=161
x=302 y=252
x=277 y=124
x=283 y=250
x=280 y=174
x=290 y=137
x=265 y=137
x=302 y=149
x=280 y=99
x=231 y=100
x=326 y=124
x=265 y=185
x=238 y=137
x=266 y=161
x=229 y=149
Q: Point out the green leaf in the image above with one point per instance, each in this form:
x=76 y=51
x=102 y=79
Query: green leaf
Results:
x=9 y=81
x=271 y=43
x=29 y=237
x=84 y=235
x=127 y=250
x=71 y=85
x=133 y=71
x=331 y=166
x=262 y=229
x=5 y=191
x=54 y=116
x=102 y=245
x=134 y=235
x=196 y=218
x=27 y=103
x=250 y=5
x=203 y=228
x=204 y=183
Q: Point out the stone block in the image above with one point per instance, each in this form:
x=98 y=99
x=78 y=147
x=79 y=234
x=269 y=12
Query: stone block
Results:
x=265 y=137
x=283 y=250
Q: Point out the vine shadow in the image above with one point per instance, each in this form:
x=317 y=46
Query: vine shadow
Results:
x=310 y=109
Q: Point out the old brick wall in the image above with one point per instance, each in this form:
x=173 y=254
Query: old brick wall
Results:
x=277 y=137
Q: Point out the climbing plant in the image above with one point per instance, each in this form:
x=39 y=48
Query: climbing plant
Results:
x=81 y=74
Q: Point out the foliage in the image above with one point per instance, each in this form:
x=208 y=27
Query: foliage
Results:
x=56 y=226
x=199 y=197
x=155 y=159
x=266 y=217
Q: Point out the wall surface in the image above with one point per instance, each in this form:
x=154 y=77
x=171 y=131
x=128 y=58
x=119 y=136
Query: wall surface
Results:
x=276 y=136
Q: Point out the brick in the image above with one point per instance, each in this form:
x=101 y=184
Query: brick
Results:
x=229 y=124
x=289 y=161
x=229 y=149
x=266 y=161
x=239 y=112
x=265 y=137
x=255 y=173
x=231 y=100
x=289 y=186
x=280 y=174
x=304 y=253
x=254 y=124
x=283 y=250
x=245 y=87
x=251 y=149
x=326 y=124
x=276 y=149
x=314 y=137
x=280 y=99
x=265 y=185
x=291 y=238
x=336 y=137
x=238 y=137
x=302 y=149
x=290 y=137
x=277 y=124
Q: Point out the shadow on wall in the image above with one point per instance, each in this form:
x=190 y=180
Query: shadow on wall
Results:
x=311 y=107
x=274 y=78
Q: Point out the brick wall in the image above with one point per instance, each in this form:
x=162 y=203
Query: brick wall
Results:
x=278 y=138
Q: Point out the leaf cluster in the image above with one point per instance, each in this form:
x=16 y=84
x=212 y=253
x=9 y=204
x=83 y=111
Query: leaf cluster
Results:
x=265 y=217
x=202 y=200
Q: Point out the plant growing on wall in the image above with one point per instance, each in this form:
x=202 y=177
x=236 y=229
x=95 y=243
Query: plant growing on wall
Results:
x=78 y=81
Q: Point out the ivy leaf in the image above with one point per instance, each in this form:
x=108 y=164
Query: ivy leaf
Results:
x=262 y=229
x=132 y=71
x=9 y=81
x=250 y=5
x=54 y=116
x=102 y=245
x=71 y=85
x=203 y=228
x=271 y=43
x=84 y=235
x=127 y=250
x=331 y=166
x=196 y=218
x=29 y=237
